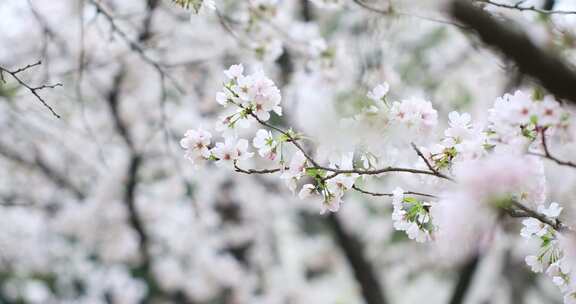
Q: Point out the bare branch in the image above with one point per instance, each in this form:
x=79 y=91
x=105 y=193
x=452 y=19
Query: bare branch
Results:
x=549 y=155
x=337 y=172
x=527 y=212
x=252 y=171
x=135 y=46
x=518 y=6
x=390 y=194
x=32 y=89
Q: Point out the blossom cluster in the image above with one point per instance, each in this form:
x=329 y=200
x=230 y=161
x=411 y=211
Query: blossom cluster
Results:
x=253 y=97
x=412 y=113
x=550 y=258
x=250 y=94
x=519 y=116
x=491 y=174
x=412 y=216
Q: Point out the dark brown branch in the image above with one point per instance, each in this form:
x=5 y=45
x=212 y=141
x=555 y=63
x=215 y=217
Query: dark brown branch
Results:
x=133 y=216
x=291 y=138
x=136 y=159
x=553 y=73
x=253 y=171
x=306 y=11
x=335 y=171
x=428 y=163
x=390 y=194
x=465 y=280
x=33 y=90
x=365 y=273
x=518 y=6
x=549 y=155
x=113 y=103
x=527 y=212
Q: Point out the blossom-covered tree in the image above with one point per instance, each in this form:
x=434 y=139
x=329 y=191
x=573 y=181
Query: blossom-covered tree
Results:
x=287 y=151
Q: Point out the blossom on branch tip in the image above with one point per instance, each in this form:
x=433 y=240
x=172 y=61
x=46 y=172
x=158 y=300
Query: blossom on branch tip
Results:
x=234 y=71
x=296 y=170
x=379 y=92
x=265 y=143
x=231 y=150
x=331 y=203
x=307 y=191
x=553 y=211
x=412 y=216
x=196 y=144
x=534 y=263
x=460 y=127
x=533 y=227
x=253 y=94
x=415 y=113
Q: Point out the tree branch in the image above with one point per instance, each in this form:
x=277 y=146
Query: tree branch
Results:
x=335 y=171
x=390 y=194
x=549 y=155
x=553 y=73
x=32 y=89
x=370 y=286
x=428 y=163
x=253 y=171
x=135 y=45
x=527 y=212
x=465 y=280
x=518 y=6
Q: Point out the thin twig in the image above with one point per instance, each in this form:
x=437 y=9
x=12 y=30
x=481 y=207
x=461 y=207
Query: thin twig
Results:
x=549 y=155
x=518 y=6
x=291 y=139
x=33 y=90
x=253 y=171
x=337 y=172
x=135 y=46
x=556 y=224
x=421 y=155
x=389 y=12
x=390 y=194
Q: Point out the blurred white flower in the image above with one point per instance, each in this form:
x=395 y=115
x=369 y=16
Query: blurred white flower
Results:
x=379 y=92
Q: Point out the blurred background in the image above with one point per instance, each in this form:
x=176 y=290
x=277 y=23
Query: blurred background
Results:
x=99 y=205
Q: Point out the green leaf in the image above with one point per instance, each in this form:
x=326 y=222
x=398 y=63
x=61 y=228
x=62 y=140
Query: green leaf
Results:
x=538 y=94
x=410 y=200
x=187 y=4
x=315 y=173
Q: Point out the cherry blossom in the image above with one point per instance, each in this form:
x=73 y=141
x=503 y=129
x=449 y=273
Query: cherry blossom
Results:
x=231 y=150
x=378 y=93
x=265 y=143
